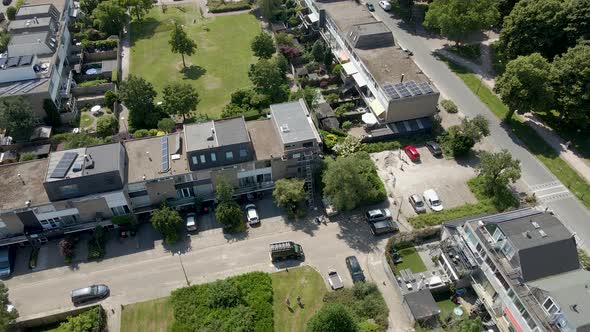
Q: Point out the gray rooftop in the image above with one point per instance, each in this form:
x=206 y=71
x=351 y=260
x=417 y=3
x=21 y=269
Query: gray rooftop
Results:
x=214 y=133
x=34 y=10
x=292 y=122
x=106 y=159
x=24 y=24
x=371 y=28
x=571 y=292
x=524 y=235
x=22 y=182
x=422 y=304
x=28 y=38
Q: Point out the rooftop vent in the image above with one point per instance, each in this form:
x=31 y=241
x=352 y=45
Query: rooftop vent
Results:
x=285 y=128
x=542 y=232
x=89 y=161
x=535 y=224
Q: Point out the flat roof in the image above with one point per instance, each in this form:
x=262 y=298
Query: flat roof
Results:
x=106 y=158
x=28 y=38
x=265 y=139
x=371 y=28
x=59 y=4
x=422 y=304
x=524 y=234
x=292 y=122
x=214 y=133
x=142 y=164
x=29 y=23
x=15 y=190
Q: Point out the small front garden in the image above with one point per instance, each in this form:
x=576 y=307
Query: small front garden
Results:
x=93 y=319
x=410 y=260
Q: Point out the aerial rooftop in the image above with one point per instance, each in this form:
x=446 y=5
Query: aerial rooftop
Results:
x=265 y=139
x=146 y=157
x=215 y=133
x=21 y=182
x=293 y=123
x=83 y=162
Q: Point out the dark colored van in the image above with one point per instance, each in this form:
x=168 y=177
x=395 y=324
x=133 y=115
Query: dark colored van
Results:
x=285 y=250
x=383 y=226
x=355 y=269
x=89 y=293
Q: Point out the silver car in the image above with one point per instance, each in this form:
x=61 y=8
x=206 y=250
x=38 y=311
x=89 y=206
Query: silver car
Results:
x=89 y=293
x=191 y=222
x=417 y=203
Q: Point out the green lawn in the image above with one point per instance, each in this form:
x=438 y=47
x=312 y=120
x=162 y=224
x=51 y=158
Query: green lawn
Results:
x=86 y=120
x=156 y=315
x=534 y=143
x=305 y=282
x=220 y=65
x=411 y=261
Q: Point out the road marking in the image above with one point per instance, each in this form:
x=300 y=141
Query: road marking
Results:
x=553 y=194
x=545 y=186
x=556 y=196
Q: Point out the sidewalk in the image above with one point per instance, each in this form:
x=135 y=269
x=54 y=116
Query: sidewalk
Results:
x=558 y=144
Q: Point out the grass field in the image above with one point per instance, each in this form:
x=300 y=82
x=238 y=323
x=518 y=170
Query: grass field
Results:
x=156 y=315
x=220 y=65
x=534 y=143
x=305 y=282
x=411 y=261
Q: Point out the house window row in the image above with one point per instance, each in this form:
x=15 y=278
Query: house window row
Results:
x=120 y=210
x=229 y=155
x=185 y=192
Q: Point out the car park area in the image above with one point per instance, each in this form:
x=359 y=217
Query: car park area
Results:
x=403 y=178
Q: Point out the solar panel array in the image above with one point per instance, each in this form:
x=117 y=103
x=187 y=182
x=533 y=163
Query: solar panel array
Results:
x=165 y=163
x=64 y=164
x=407 y=89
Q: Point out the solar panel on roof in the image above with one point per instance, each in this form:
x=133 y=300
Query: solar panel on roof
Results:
x=401 y=89
x=12 y=62
x=413 y=87
x=425 y=87
x=64 y=164
x=390 y=91
x=165 y=163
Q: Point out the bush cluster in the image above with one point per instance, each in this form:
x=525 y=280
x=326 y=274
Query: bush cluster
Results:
x=220 y=7
x=240 y=303
x=96 y=244
x=449 y=106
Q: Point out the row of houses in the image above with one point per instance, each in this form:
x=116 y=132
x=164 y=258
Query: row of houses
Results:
x=78 y=189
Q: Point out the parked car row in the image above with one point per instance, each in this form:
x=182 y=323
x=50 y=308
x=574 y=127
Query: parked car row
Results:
x=381 y=222
x=430 y=197
x=414 y=155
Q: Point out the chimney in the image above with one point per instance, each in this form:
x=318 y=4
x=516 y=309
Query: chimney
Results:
x=402 y=80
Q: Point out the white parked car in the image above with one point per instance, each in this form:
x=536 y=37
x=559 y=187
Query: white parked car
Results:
x=191 y=222
x=334 y=280
x=385 y=5
x=252 y=214
x=431 y=198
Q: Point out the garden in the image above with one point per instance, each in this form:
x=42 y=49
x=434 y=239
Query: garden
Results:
x=221 y=41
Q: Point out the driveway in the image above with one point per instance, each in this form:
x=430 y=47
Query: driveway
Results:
x=552 y=193
x=145 y=269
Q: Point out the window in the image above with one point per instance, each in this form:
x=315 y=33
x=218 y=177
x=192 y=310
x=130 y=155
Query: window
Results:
x=243 y=153
x=120 y=210
x=550 y=306
x=296 y=155
x=213 y=157
x=229 y=155
x=195 y=160
x=308 y=145
x=185 y=192
x=203 y=160
x=70 y=189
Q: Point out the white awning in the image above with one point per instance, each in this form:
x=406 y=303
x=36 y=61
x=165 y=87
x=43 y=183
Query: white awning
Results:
x=313 y=17
x=377 y=108
x=359 y=80
x=349 y=68
x=369 y=118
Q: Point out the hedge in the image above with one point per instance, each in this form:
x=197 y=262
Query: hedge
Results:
x=243 y=302
x=230 y=7
x=93 y=82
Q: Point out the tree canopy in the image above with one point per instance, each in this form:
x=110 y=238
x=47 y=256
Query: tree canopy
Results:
x=263 y=46
x=181 y=43
x=332 y=318
x=269 y=79
x=106 y=126
x=498 y=169
x=525 y=85
x=168 y=222
x=17 y=116
x=458 y=18
x=110 y=17
x=6 y=317
x=289 y=193
x=228 y=212
x=138 y=96
x=352 y=181
x=459 y=139
x=138 y=8
x=180 y=99
x=571 y=82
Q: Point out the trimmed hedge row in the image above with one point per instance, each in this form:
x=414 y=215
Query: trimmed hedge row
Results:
x=243 y=302
x=230 y=7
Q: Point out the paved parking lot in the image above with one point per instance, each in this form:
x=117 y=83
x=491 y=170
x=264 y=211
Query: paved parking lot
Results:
x=403 y=178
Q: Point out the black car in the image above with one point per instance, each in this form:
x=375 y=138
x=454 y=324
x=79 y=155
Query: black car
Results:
x=370 y=7
x=90 y=293
x=434 y=148
x=383 y=226
x=355 y=269
x=6 y=2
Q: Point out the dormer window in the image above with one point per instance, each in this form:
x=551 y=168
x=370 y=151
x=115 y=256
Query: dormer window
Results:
x=550 y=306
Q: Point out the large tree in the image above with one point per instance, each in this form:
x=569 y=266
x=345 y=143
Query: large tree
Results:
x=505 y=7
x=332 y=318
x=268 y=7
x=6 y=317
x=498 y=169
x=180 y=99
x=578 y=20
x=139 y=7
x=459 y=139
x=269 y=79
x=525 y=85
x=571 y=82
x=535 y=26
x=458 y=18
x=138 y=96
x=289 y=193
x=181 y=43
x=351 y=181
x=16 y=115
x=110 y=17
x=263 y=46
x=168 y=222
x=228 y=212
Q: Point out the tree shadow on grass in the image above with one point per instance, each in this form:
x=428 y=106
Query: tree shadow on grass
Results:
x=144 y=29
x=193 y=72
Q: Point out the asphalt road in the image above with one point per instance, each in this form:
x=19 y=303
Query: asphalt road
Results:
x=547 y=188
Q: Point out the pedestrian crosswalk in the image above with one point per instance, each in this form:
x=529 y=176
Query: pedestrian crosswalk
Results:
x=550 y=192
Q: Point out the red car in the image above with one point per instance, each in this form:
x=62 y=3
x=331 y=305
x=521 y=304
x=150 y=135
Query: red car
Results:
x=412 y=153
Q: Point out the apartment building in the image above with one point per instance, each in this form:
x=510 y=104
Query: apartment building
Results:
x=78 y=189
x=36 y=64
x=525 y=270
x=396 y=91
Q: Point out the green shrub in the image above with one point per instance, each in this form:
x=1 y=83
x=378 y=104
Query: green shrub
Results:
x=27 y=156
x=230 y=7
x=167 y=125
x=346 y=125
x=252 y=115
x=584 y=259
x=243 y=302
x=153 y=132
x=332 y=98
x=93 y=82
x=4 y=40
x=110 y=97
x=103 y=45
x=141 y=133
x=10 y=13
x=122 y=220
x=284 y=39
x=91 y=320
x=96 y=244
x=449 y=106
x=381 y=146
x=106 y=125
